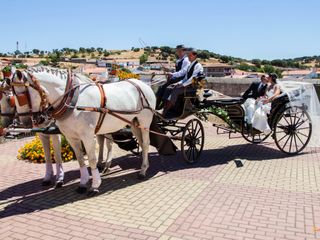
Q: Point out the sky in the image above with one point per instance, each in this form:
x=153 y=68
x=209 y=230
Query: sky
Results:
x=265 y=29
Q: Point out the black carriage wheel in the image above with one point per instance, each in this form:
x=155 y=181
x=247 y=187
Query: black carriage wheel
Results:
x=255 y=137
x=292 y=130
x=192 y=141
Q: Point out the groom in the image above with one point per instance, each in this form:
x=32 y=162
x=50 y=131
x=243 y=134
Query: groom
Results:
x=256 y=89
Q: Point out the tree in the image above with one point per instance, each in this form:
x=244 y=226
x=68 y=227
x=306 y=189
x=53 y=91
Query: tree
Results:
x=17 y=52
x=100 y=50
x=225 y=59
x=143 y=58
x=204 y=54
x=265 y=62
x=154 y=48
x=269 y=69
x=136 y=49
x=256 y=62
x=106 y=53
x=167 y=49
x=36 y=51
x=82 y=50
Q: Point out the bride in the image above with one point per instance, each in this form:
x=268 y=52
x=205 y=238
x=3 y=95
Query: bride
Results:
x=262 y=106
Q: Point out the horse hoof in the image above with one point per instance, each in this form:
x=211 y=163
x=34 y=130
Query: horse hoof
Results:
x=141 y=176
x=46 y=183
x=93 y=192
x=81 y=190
x=59 y=184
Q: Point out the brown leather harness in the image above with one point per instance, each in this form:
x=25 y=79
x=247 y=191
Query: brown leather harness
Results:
x=116 y=113
x=46 y=110
x=24 y=97
x=11 y=101
x=70 y=98
x=103 y=103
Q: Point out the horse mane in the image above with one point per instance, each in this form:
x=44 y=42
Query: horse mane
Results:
x=62 y=73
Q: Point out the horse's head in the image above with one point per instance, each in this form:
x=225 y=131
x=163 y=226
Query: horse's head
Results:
x=27 y=96
x=7 y=104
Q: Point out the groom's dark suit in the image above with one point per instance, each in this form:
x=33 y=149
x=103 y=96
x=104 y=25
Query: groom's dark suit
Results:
x=256 y=90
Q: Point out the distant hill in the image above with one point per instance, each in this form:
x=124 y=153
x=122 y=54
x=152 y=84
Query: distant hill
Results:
x=168 y=53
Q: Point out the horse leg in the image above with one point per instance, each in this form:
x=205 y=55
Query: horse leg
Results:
x=45 y=140
x=109 y=142
x=90 y=149
x=143 y=140
x=76 y=144
x=100 y=140
x=145 y=153
x=56 y=142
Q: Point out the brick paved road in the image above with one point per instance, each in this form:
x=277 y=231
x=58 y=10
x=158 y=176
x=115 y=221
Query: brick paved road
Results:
x=272 y=196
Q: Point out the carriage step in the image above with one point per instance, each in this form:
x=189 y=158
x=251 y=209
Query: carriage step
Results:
x=225 y=129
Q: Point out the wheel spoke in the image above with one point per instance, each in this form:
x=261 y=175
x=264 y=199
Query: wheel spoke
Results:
x=285 y=118
x=295 y=141
x=282 y=138
x=303 y=121
x=286 y=142
x=303 y=134
x=299 y=139
x=303 y=128
x=192 y=126
x=290 y=143
x=294 y=119
x=290 y=118
x=281 y=132
x=190 y=133
x=197 y=132
x=301 y=117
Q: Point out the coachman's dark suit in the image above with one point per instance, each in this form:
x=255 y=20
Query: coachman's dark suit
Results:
x=163 y=88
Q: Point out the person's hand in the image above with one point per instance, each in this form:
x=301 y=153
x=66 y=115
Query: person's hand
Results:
x=265 y=101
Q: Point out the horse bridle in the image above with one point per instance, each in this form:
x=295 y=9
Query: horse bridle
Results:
x=46 y=110
x=24 y=98
x=10 y=100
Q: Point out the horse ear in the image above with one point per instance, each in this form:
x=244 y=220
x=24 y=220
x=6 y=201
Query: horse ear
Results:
x=19 y=75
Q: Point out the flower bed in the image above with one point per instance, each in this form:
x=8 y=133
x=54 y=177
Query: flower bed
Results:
x=33 y=151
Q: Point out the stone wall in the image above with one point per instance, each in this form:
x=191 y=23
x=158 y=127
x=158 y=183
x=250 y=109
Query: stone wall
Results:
x=234 y=87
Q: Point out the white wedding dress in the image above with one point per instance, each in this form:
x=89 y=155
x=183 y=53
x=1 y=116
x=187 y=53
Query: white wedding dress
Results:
x=256 y=113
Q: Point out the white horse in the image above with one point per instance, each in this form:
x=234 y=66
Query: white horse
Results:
x=6 y=105
x=134 y=101
x=8 y=111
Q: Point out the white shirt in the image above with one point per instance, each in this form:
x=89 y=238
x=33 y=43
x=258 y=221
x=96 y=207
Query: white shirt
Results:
x=197 y=69
x=184 y=68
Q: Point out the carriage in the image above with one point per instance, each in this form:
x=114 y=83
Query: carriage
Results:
x=290 y=124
